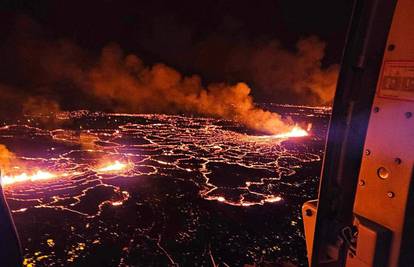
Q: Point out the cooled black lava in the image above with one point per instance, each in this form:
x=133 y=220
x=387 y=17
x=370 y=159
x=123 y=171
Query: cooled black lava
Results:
x=189 y=191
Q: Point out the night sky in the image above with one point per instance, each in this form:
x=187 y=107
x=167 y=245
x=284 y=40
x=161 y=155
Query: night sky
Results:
x=194 y=37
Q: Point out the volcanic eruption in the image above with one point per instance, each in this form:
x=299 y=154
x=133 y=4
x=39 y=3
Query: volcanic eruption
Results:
x=56 y=74
x=102 y=136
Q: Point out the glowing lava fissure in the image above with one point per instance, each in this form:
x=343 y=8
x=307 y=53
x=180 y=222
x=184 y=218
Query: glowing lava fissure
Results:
x=105 y=141
x=113 y=167
x=295 y=132
x=140 y=161
x=24 y=177
x=7 y=179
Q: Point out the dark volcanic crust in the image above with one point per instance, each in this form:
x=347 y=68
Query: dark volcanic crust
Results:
x=198 y=192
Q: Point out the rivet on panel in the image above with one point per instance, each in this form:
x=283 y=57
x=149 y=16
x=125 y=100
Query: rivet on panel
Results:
x=361 y=182
x=390 y=194
x=408 y=114
x=367 y=152
x=376 y=109
x=397 y=161
x=391 y=47
x=383 y=173
x=308 y=212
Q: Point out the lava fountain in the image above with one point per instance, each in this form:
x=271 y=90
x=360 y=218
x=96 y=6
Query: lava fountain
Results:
x=26 y=177
x=43 y=175
x=295 y=132
x=113 y=167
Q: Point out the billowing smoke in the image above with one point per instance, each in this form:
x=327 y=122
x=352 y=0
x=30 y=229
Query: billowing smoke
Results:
x=7 y=158
x=58 y=74
x=300 y=71
x=129 y=85
x=42 y=108
x=279 y=73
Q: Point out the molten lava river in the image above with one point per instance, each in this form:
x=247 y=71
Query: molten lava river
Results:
x=160 y=190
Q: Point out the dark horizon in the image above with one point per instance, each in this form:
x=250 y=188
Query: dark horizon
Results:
x=286 y=52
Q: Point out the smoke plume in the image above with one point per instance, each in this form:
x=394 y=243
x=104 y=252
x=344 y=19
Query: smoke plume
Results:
x=6 y=158
x=279 y=73
x=129 y=85
x=58 y=74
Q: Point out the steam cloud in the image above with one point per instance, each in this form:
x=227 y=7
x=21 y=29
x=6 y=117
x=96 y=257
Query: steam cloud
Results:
x=55 y=73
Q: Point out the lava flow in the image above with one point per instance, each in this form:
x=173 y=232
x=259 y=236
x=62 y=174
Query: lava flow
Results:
x=294 y=133
x=113 y=167
x=25 y=177
x=118 y=166
x=135 y=166
x=43 y=175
